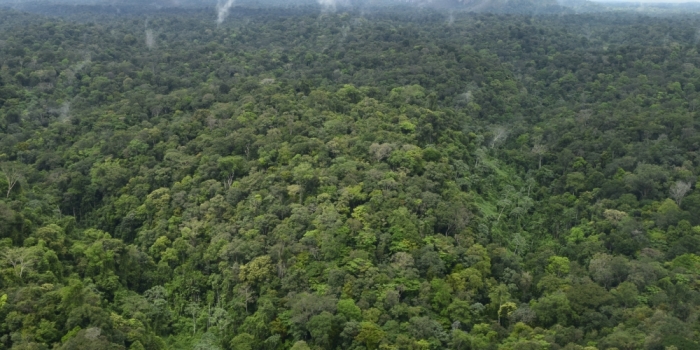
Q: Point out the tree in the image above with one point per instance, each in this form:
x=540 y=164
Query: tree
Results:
x=456 y=217
x=247 y=295
x=600 y=269
x=21 y=259
x=539 y=150
x=380 y=152
x=231 y=167
x=257 y=270
x=587 y=295
x=194 y=310
x=500 y=296
x=553 y=309
x=159 y=313
x=646 y=179
x=505 y=310
x=607 y=270
x=109 y=175
x=626 y=294
x=321 y=328
x=347 y=308
x=243 y=341
x=13 y=175
x=370 y=334
x=678 y=190
x=559 y=266
x=300 y=345
x=500 y=134
x=304 y=306
x=90 y=338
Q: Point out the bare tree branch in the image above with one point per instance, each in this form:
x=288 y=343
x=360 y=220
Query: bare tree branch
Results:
x=679 y=189
x=12 y=174
x=499 y=136
x=21 y=259
x=539 y=150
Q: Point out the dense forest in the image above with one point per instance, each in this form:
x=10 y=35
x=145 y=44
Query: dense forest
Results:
x=401 y=179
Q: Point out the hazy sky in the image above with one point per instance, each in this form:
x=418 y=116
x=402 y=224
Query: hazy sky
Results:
x=214 y=2
x=649 y=1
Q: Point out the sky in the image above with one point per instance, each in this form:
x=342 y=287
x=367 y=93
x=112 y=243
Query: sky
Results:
x=651 y=1
x=322 y=2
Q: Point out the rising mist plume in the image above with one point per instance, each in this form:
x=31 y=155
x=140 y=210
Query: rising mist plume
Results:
x=150 y=38
x=331 y=5
x=222 y=9
x=327 y=4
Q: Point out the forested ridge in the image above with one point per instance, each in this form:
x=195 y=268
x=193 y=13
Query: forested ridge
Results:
x=392 y=180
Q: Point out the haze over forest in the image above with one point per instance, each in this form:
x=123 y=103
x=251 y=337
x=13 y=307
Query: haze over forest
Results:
x=395 y=175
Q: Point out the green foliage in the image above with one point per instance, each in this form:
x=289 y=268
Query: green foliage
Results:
x=299 y=181
x=347 y=308
x=370 y=334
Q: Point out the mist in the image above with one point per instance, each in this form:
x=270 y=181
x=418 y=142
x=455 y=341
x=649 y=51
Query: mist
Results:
x=150 y=39
x=222 y=9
